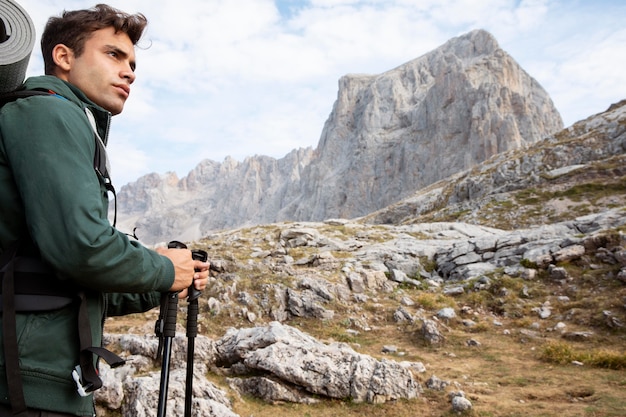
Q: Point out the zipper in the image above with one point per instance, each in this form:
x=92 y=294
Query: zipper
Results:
x=108 y=127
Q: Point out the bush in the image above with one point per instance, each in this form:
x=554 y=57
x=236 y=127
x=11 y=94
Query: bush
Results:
x=563 y=353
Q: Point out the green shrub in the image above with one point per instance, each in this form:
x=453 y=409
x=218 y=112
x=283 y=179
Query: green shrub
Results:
x=562 y=353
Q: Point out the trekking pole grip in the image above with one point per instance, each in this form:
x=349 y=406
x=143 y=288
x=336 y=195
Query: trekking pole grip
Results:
x=192 y=320
x=169 y=323
x=193 y=295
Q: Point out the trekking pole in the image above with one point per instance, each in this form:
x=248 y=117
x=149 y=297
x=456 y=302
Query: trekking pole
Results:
x=192 y=325
x=166 y=330
x=192 y=332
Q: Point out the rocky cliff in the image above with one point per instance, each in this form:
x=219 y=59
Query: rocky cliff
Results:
x=388 y=136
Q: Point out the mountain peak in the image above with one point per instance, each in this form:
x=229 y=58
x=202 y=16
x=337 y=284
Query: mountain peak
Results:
x=388 y=135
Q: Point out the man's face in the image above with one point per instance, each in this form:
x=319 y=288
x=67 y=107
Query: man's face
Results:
x=105 y=69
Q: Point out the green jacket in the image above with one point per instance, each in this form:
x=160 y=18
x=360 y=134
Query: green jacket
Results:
x=50 y=191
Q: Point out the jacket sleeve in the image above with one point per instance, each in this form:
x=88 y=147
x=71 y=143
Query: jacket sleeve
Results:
x=122 y=304
x=51 y=147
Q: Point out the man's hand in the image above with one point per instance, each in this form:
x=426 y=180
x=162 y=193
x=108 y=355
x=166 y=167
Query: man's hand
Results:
x=200 y=277
x=186 y=270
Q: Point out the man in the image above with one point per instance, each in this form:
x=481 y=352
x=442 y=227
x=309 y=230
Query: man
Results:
x=53 y=210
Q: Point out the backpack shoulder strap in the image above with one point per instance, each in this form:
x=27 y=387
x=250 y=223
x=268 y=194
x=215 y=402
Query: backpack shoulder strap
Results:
x=85 y=374
x=11 y=355
x=16 y=94
x=100 y=160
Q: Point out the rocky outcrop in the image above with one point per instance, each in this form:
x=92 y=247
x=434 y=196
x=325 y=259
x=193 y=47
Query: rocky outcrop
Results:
x=578 y=152
x=295 y=359
x=388 y=136
x=277 y=362
x=274 y=362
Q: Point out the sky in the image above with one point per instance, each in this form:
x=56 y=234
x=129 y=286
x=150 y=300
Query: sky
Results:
x=239 y=78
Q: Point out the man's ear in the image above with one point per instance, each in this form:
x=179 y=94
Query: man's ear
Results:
x=63 y=57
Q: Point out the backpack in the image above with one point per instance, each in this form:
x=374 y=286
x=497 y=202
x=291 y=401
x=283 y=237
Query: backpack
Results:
x=100 y=164
x=29 y=285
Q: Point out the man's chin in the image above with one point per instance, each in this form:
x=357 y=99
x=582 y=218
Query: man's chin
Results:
x=113 y=106
x=115 y=110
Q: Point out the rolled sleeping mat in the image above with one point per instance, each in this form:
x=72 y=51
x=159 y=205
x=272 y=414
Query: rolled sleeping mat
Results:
x=17 y=38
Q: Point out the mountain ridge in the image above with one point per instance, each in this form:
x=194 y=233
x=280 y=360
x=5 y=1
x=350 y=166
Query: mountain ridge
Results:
x=387 y=136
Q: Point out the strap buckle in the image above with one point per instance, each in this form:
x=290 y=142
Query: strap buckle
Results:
x=83 y=390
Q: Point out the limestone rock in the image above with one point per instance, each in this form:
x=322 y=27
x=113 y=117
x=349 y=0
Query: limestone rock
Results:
x=333 y=370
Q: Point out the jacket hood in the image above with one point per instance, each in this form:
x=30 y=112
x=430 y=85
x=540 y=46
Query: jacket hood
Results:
x=75 y=95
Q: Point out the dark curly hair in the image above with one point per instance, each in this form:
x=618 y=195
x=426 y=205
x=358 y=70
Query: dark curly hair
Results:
x=73 y=28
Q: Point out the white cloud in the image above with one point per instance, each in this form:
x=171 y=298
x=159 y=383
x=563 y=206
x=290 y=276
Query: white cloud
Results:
x=130 y=161
x=248 y=77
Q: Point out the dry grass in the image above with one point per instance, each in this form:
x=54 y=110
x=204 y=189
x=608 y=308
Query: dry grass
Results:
x=505 y=376
x=519 y=369
x=522 y=367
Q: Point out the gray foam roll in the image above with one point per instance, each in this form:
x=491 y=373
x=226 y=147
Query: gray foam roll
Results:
x=16 y=46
